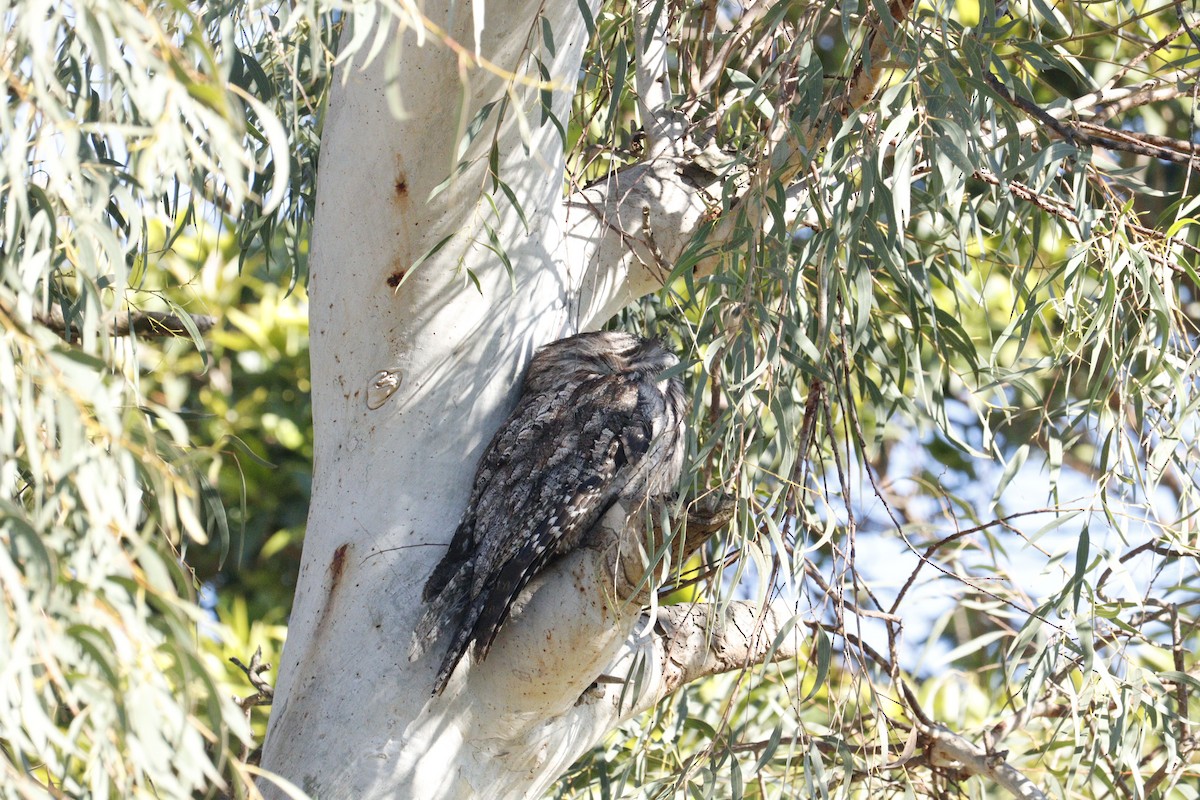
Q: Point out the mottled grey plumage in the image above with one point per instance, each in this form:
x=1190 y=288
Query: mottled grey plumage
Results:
x=594 y=425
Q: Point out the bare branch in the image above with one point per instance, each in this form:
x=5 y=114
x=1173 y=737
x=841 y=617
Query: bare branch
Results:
x=694 y=641
x=1142 y=96
x=155 y=324
x=949 y=749
x=264 y=691
x=688 y=643
x=1180 y=663
x=953 y=537
x=1100 y=106
x=1151 y=545
x=1143 y=144
x=1089 y=133
x=1021 y=191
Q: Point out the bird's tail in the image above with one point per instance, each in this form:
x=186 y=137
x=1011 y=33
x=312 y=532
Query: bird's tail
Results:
x=441 y=612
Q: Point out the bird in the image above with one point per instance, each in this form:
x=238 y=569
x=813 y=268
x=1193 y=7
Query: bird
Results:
x=595 y=424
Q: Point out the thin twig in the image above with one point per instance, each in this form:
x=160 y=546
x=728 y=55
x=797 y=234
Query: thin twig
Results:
x=1141 y=57
x=155 y=324
x=1151 y=546
x=1063 y=211
x=940 y=543
x=264 y=691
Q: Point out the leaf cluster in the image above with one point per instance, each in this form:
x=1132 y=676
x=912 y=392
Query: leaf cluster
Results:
x=948 y=363
x=147 y=150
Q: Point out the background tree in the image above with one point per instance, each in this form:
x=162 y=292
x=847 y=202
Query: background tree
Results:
x=932 y=272
x=147 y=183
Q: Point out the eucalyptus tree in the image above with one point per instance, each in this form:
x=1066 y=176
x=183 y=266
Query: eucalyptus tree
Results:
x=931 y=270
x=855 y=220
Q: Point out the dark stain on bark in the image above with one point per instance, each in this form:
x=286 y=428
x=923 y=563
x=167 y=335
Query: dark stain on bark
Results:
x=336 y=566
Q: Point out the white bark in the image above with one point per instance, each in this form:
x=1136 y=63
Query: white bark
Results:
x=627 y=230
x=412 y=371
x=352 y=717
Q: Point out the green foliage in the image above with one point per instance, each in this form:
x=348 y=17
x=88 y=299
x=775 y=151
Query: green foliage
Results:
x=954 y=377
x=250 y=408
x=247 y=397
x=127 y=132
x=951 y=345
x=98 y=628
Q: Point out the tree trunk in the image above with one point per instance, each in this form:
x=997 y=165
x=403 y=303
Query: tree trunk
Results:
x=413 y=369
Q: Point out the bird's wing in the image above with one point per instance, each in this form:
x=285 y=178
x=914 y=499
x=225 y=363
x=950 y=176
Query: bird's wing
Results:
x=590 y=456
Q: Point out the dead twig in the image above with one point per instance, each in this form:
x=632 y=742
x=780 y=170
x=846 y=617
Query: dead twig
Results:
x=153 y=324
x=264 y=692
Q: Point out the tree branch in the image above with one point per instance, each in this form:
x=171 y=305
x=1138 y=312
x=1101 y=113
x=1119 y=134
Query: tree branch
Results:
x=690 y=642
x=788 y=156
x=1145 y=144
x=1063 y=211
x=1089 y=133
x=155 y=324
x=1150 y=92
x=949 y=749
x=1100 y=106
x=264 y=692
x=664 y=126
